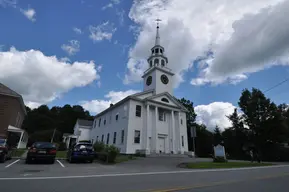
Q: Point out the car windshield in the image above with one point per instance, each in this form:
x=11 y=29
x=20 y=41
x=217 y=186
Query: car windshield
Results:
x=83 y=146
x=44 y=145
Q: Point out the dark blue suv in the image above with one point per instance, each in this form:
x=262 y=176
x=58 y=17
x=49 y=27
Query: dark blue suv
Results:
x=82 y=151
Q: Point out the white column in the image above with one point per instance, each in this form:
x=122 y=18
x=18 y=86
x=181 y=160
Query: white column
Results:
x=20 y=139
x=179 y=132
x=148 y=126
x=173 y=132
x=155 y=132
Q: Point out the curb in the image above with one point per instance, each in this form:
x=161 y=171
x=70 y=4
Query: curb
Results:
x=22 y=158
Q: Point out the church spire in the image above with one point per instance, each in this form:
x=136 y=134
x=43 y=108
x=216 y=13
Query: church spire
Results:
x=158 y=33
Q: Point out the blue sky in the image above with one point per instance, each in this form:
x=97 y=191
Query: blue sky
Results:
x=131 y=32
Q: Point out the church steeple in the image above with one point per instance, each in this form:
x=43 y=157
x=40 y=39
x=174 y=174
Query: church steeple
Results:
x=158 y=33
x=157 y=57
x=158 y=76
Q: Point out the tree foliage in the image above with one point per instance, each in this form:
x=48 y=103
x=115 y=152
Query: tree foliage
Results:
x=41 y=122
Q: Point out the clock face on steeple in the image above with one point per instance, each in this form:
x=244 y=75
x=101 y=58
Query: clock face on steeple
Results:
x=149 y=80
x=164 y=79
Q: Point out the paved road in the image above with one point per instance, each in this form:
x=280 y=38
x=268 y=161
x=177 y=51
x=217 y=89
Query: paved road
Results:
x=86 y=177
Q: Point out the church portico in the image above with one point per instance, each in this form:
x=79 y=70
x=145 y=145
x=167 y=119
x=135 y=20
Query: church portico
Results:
x=160 y=130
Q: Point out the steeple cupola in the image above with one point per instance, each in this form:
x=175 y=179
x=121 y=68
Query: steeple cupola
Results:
x=157 y=57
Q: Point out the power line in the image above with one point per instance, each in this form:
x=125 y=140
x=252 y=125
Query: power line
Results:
x=267 y=90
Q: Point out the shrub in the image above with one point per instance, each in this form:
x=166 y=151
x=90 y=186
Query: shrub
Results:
x=99 y=146
x=112 y=153
x=219 y=160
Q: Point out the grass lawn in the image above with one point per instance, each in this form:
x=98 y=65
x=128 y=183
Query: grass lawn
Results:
x=123 y=158
x=61 y=154
x=18 y=152
x=212 y=165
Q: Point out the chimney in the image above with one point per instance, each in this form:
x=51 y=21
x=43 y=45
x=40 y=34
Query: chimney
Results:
x=111 y=105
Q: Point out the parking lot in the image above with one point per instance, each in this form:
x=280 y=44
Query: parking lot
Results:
x=17 y=168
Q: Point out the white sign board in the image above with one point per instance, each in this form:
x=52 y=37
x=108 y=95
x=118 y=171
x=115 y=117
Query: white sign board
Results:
x=219 y=151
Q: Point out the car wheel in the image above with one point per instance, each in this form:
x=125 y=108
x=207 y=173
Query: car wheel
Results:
x=70 y=160
x=52 y=161
x=28 y=160
x=3 y=158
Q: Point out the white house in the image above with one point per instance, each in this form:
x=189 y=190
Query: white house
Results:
x=82 y=131
x=152 y=121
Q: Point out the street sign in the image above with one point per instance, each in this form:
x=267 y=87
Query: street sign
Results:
x=193 y=132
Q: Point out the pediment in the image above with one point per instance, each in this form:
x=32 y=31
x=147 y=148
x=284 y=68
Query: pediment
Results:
x=166 y=99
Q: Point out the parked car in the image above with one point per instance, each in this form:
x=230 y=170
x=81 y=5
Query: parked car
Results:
x=82 y=151
x=45 y=151
x=5 y=151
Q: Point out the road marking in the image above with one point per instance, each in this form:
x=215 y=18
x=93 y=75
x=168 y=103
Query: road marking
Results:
x=181 y=188
x=12 y=163
x=60 y=163
x=137 y=173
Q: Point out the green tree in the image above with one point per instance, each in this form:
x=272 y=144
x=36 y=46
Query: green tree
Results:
x=40 y=122
x=265 y=122
x=235 y=137
x=217 y=135
x=191 y=119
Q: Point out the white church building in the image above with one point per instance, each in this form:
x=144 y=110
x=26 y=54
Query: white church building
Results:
x=152 y=121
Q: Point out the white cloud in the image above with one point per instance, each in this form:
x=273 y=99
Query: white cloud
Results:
x=96 y=106
x=71 y=48
x=214 y=114
x=29 y=13
x=77 y=30
x=222 y=27
x=101 y=32
x=111 y=4
x=41 y=79
x=120 y=14
x=8 y=3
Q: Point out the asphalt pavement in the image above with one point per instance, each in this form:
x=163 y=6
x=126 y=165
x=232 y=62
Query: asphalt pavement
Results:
x=15 y=175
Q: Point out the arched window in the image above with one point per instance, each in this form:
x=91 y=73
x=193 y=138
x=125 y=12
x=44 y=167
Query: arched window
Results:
x=151 y=63
x=161 y=50
x=163 y=63
x=156 y=61
x=165 y=100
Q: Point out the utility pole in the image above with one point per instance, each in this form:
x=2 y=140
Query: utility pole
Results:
x=53 y=135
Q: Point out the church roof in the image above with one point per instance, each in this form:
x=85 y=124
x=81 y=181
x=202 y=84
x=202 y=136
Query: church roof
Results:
x=83 y=122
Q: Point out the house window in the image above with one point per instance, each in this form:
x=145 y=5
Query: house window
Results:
x=17 y=119
x=162 y=115
x=96 y=138
x=104 y=122
x=182 y=140
x=102 y=138
x=136 y=136
x=138 y=110
x=157 y=50
x=122 y=136
x=109 y=119
x=181 y=121
x=114 y=137
x=161 y=50
x=151 y=63
x=165 y=100
x=107 y=139
x=116 y=117
x=99 y=121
